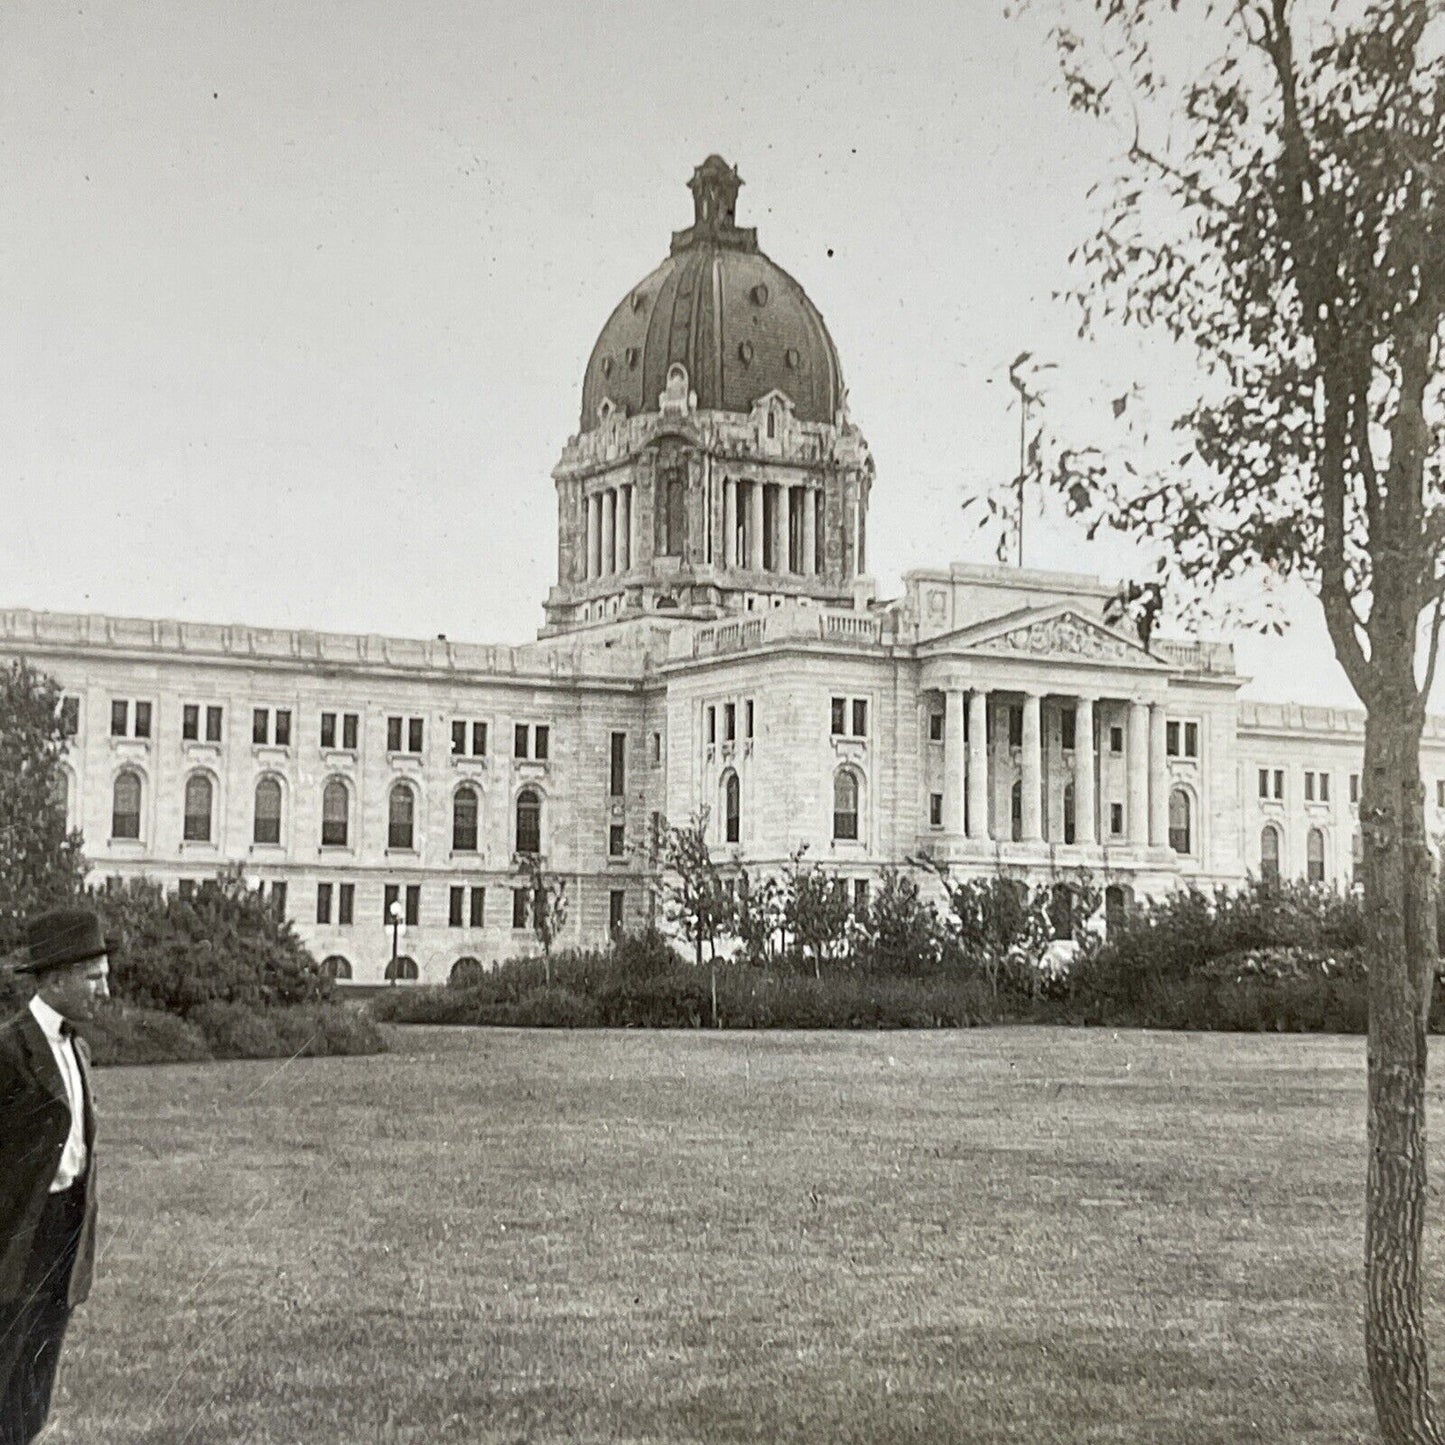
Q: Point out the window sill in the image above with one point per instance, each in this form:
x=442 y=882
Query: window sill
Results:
x=204 y=847
x=531 y=767
x=268 y=850
x=402 y=853
x=406 y=759
x=336 y=850
x=130 y=747
x=337 y=757
x=271 y=752
x=470 y=761
x=127 y=845
x=466 y=855
x=201 y=752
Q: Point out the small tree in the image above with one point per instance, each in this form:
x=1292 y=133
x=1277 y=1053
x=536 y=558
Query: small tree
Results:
x=547 y=906
x=900 y=929
x=696 y=898
x=41 y=864
x=757 y=914
x=816 y=907
x=997 y=921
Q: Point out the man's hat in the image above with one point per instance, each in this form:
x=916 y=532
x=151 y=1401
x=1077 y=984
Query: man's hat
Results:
x=60 y=938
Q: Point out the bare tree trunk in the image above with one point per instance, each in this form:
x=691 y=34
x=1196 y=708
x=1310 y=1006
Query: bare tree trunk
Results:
x=1401 y=950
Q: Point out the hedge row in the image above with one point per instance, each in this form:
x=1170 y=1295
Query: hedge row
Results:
x=129 y=1035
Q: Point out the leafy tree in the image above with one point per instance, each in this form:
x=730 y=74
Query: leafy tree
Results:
x=899 y=930
x=547 y=904
x=756 y=917
x=1277 y=211
x=816 y=908
x=997 y=921
x=40 y=860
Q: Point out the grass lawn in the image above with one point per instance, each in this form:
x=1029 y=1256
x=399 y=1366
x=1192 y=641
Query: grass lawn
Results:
x=995 y=1235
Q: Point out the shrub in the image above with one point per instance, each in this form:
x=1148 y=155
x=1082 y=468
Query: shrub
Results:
x=237 y=1031
x=144 y=1036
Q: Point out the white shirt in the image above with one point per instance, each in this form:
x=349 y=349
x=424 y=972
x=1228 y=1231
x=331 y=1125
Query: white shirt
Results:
x=72 y=1157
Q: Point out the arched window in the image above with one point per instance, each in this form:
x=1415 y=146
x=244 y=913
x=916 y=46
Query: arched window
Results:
x=1315 y=856
x=334 y=966
x=465 y=808
x=199 y=798
x=467 y=972
x=403 y=968
x=335 y=814
x=1117 y=898
x=845 y=805
x=1180 y=839
x=401 y=817
x=1070 y=824
x=1061 y=910
x=125 y=806
x=268 y=811
x=732 y=808
x=529 y=821
x=1269 y=853
x=1016 y=810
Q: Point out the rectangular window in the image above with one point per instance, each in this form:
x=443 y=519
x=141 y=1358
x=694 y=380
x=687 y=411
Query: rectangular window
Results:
x=414 y=734
x=456 y=904
x=860 y=717
x=1116 y=819
x=479 y=739
x=213 y=724
x=191 y=722
x=393 y=734
x=712 y=724
x=278 y=899
x=1116 y=741
x=617 y=769
x=748 y=718
x=350 y=726
x=1309 y=786
x=1324 y=787
x=541 y=739
x=839 y=724
x=413 y=904
x=1440 y=793
x=1171 y=739
x=1191 y=740
x=616 y=906
x=186 y=888
x=935 y=810
x=1068 y=728
x=260 y=725
x=935 y=727
x=1015 y=727
x=520 y=897
x=69 y=716
x=657 y=747
x=1354 y=787
x=346 y=903
x=390 y=894
x=459 y=739
x=616 y=844
x=119 y=719
x=142 y=719
x=520 y=740
x=477 y=905
x=1279 y=782
x=323 y=903
x=1264 y=782
x=328 y=730
x=283 y=727
x=730 y=722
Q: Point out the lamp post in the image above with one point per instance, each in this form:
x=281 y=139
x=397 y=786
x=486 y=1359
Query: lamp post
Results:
x=395 y=911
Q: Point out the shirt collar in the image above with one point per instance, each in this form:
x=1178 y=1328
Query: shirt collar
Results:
x=50 y=1022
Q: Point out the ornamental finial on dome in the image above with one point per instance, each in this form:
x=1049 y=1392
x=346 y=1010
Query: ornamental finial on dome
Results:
x=714 y=186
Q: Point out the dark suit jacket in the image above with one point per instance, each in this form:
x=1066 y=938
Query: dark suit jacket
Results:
x=34 y=1123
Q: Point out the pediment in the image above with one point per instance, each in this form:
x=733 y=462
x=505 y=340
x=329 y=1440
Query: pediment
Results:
x=1062 y=634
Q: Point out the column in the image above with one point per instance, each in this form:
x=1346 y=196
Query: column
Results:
x=785 y=552
x=594 y=539
x=624 y=529
x=609 y=531
x=1032 y=759
x=1137 y=746
x=1085 y=807
x=632 y=525
x=730 y=524
x=810 y=531
x=755 y=526
x=954 y=770
x=978 y=785
x=1158 y=779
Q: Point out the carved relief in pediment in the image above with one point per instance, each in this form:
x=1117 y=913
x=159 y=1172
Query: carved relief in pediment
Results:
x=1066 y=636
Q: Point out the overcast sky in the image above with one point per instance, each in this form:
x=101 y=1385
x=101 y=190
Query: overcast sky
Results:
x=299 y=296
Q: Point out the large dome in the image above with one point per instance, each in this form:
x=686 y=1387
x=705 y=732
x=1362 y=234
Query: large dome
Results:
x=739 y=323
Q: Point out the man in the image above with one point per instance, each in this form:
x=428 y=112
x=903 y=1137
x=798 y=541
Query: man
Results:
x=47 y=1162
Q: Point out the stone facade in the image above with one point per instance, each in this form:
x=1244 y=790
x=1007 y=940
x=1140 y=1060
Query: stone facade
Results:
x=712 y=643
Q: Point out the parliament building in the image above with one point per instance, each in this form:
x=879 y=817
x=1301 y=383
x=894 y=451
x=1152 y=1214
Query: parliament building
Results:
x=712 y=642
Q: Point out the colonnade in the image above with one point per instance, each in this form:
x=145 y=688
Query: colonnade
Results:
x=968 y=784
x=611 y=531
